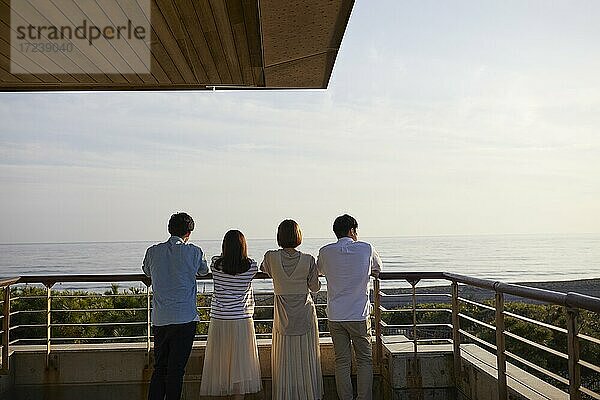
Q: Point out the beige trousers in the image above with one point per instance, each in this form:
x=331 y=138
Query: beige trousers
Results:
x=357 y=333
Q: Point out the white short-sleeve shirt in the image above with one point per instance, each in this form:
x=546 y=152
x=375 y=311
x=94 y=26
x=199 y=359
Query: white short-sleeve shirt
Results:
x=347 y=266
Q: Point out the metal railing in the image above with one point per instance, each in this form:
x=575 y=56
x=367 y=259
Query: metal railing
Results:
x=572 y=305
x=5 y=318
x=38 y=312
x=452 y=323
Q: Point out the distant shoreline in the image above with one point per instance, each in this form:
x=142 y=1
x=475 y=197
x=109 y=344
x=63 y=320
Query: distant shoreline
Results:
x=325 y=238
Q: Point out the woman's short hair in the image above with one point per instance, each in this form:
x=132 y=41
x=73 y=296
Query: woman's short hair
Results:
x=289 y=234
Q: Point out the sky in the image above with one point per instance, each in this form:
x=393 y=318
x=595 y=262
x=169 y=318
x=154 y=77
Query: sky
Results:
x=441 y=118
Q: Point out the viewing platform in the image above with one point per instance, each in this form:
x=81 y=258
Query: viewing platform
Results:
x=69 y=344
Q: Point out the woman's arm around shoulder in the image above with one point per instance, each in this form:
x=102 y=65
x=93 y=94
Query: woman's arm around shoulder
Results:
x=265 y=265
x=213 y=262
x=314 y=285
x=253 y=267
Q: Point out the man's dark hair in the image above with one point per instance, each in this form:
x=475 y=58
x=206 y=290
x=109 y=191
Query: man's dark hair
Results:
x=343 y=224
x=180 y=224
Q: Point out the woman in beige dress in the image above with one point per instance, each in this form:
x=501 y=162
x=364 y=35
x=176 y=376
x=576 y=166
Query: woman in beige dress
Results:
x=295 y=354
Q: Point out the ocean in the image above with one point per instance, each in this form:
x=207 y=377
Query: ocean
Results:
x=507 y=258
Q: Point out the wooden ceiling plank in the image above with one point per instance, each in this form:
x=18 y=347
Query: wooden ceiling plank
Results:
x=5 y=51
x=5 y=75
x=192 y=22
x=207 y=23
x=224 y=29
x=195 y=41
x=47 y=63
x=251 y=18
x=116 y=78
x=238 y=26
x=105 y=53
x=45 y=77
x=100 y=60
x=173 y=15
x=5 y=30
x=162 y=28
x=83 y=61
x=6 y=62
x=163 y=60
x=5 y=13
x=239 y=33
x=156 y=69
x=48 y=10
x=132 y=53
x=190 y=50
x=194 y=61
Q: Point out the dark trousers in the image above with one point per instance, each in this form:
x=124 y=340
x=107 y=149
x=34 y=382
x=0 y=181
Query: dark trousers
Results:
x=172 y=348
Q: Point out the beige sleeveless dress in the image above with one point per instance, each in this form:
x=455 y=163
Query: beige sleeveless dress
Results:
x=295 y=354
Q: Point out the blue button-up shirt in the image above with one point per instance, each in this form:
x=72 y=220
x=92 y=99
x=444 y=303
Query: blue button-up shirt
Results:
x=173 y=267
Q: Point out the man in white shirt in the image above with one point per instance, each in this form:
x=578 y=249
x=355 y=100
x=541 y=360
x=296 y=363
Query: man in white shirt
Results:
x=347 y=266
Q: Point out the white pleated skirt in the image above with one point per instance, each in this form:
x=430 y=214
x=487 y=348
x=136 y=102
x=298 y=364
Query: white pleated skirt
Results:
x=231 y=364
x=296 y=366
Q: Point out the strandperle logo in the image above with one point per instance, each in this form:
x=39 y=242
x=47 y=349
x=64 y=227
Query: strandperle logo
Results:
x=85 y=31
x=80 y=37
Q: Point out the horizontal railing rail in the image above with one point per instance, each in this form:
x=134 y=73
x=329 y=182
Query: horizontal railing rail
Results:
x=570 y=299
x=475 y=330
x=51 y=328
x=447 y=317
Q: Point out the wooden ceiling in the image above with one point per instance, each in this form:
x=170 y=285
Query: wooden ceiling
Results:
x=210 y=44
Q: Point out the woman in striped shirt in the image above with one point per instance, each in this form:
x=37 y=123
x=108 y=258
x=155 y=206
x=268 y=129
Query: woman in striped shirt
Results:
x=231 y=365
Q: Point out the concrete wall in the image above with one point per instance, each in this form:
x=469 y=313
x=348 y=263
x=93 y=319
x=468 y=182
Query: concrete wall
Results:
x=428 y=376
x=6 y=384
x=120 y=371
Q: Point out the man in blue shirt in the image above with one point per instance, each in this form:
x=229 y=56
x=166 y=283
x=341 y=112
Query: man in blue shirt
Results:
x=173 y=267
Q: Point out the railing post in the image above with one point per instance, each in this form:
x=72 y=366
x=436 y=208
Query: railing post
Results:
x=378 y=339
x=48 y=322
x=573 y=348
x=501 y=347
x=413 y=283
x=5 y=328
x=148 y=325
x=456 y=335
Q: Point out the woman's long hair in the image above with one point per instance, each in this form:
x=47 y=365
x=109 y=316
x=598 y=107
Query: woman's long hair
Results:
x=234 y=257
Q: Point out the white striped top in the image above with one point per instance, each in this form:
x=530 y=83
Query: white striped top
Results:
x=232 y=295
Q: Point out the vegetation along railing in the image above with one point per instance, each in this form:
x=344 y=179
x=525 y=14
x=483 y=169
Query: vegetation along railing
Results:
x=555 y=336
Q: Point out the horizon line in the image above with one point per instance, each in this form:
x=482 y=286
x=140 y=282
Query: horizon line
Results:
x=310 y=238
